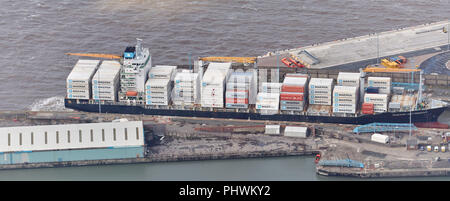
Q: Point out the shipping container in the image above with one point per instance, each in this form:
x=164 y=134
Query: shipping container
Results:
x=345 y=99
x=79 y=81
x=213 y=84
x=320 y=91
x=162 y=72
x=291 y=96
x=383 y=83
x=380 y=138
x=296 y=131
x=348 y=79
x=272 y=129
x=105 y=82
x=158 y=91
x=271 y=87
x=186 y=88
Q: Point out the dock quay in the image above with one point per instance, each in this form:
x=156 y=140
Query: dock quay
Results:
x=170 y=139
x=363 y=50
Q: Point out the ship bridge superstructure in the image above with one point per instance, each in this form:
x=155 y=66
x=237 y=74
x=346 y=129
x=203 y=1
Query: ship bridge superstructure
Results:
x=137 y=62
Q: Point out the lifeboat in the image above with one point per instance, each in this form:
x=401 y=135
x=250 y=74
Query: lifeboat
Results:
x=131 y=93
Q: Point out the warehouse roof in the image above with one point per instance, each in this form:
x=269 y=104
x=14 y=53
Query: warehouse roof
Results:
x=71 y=136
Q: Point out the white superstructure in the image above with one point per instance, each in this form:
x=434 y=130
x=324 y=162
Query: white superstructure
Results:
x=137 y=62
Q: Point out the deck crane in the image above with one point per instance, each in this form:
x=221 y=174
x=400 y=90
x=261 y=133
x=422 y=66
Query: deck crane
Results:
x=95 y=55
x=247 y=60
x=373 y=69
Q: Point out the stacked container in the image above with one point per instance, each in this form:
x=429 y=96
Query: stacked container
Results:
x=379 y=101
x=292 y=93
x=79 y=79
x=187 y=88
x=348 y=79
x=268 y=101
x=162 y=72
x=270 y=87
x=382 y=83
x=237 y=90
x=345 y=99
x=106 y=83
x=367 y=108
x=159 y=85
x=394 y=105
x=320 y=91
x=213 y=84
x=401 y=103
x=157 y=91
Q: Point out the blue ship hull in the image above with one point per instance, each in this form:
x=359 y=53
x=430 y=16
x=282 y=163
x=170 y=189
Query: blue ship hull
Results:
x=430 y=115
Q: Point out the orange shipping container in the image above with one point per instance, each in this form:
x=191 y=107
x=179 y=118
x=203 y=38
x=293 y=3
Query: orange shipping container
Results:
x=291 y=96
x=131 y=93
x=367 y=111
x=292 y=88
x=237 y=100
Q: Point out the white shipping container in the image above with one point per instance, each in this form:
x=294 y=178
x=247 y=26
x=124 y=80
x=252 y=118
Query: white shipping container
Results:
x=376 y=98
x=105 y=82
x=80 y=78
x=213 y=84
x=162 y=72
x=268 y=97
x=272 y=129
x=296 y=131
x=271 y=85
x=348 y=79
x=380 y=138
x=297 y=81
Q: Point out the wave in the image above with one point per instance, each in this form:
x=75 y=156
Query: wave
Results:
x=55 y=103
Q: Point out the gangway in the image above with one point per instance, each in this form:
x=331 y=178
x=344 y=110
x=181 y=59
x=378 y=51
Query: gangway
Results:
x=408 y=86
x=342 y=163
x=382 y=127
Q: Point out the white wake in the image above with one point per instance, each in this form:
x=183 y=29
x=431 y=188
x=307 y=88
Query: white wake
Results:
x=55 y=103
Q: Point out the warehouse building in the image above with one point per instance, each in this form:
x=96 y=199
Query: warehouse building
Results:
x=71 y=142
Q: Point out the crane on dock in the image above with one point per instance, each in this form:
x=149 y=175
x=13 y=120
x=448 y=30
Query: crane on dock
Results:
x=372 y=69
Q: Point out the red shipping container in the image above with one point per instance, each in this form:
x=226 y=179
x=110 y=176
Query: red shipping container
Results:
x=367 y=105
x=291 y=96
x=237 y=100
x=292 y=88
x=367 y=111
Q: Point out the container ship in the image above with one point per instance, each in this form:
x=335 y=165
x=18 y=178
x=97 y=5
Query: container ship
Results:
x=236 y=88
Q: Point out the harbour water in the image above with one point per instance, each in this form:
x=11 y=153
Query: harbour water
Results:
x=37 y=33
x=255 y=169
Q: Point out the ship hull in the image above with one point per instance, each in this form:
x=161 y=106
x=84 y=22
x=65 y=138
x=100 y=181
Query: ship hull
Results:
x=430 y=115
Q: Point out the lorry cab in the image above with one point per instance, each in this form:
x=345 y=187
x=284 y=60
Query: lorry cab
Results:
x=436 y=148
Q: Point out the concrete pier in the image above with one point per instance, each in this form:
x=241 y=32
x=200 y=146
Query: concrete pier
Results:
x=183 y=140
